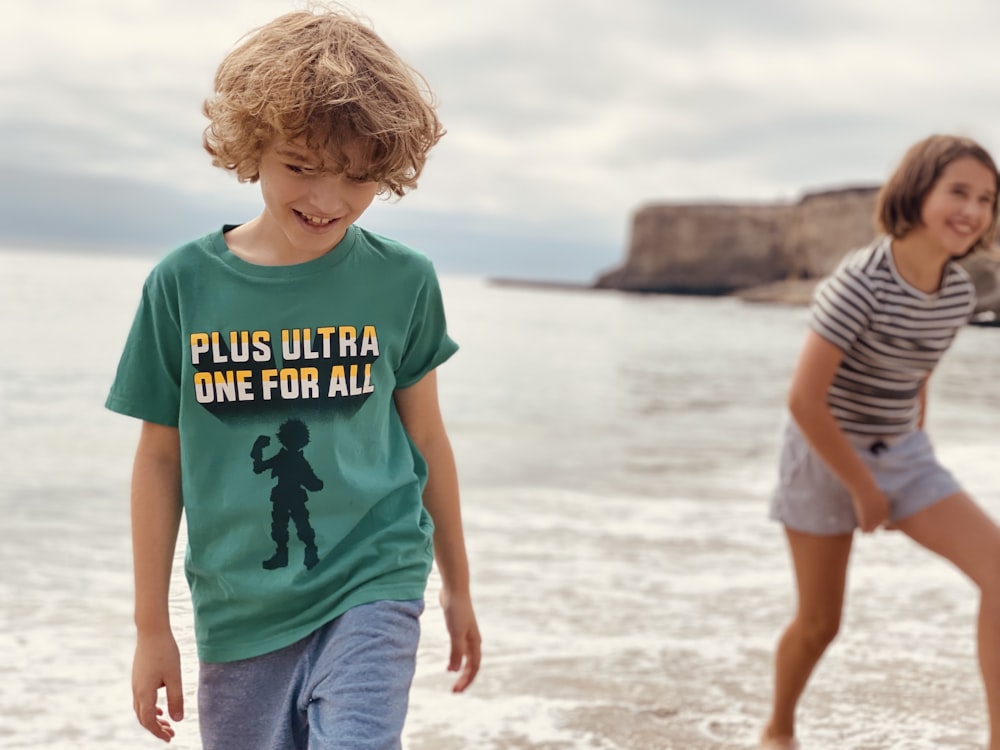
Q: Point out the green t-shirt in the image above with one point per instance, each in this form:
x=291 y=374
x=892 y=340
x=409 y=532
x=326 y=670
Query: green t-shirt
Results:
x=280 y=380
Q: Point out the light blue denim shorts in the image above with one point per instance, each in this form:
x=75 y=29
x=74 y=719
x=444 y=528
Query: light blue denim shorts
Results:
x=811 y=499
x=346 y=686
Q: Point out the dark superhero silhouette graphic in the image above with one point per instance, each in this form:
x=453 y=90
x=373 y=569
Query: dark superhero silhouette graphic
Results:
x=288 y=497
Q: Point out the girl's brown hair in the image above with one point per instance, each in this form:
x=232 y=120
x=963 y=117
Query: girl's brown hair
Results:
x=901 y=199
x=328 y=79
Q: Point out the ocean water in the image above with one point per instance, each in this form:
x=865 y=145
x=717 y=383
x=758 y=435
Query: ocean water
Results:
x=615 y=453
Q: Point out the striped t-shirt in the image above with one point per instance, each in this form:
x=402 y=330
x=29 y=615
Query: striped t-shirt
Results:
x=892 y=336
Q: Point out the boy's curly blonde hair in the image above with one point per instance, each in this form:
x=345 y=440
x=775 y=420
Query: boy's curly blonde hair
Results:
x=327 y=78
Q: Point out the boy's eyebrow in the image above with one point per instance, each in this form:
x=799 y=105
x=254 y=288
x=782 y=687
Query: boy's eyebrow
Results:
x=292 y=152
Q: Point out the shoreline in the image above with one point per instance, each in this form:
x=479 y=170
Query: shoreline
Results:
x=790 y=293
x=510 y=281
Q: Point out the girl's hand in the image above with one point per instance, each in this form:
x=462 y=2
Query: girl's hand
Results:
x=871 y=509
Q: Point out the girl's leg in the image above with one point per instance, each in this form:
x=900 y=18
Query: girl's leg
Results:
x=820 y=564
x=960 y=531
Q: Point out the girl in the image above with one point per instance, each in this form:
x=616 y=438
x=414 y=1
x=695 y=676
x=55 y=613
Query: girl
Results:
x=855 y=453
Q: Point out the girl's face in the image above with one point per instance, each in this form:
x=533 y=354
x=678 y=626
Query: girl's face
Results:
x=959 y=207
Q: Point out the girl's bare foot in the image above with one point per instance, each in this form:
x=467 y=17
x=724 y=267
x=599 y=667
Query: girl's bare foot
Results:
x=779 y=743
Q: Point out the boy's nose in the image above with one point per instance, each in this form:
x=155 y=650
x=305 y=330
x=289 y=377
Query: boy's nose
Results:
x=327 y=194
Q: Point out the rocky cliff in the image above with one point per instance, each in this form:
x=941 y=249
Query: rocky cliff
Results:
x=772 y=252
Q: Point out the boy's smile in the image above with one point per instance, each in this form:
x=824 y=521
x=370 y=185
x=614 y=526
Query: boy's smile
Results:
x=314 y=221
x=308 y=205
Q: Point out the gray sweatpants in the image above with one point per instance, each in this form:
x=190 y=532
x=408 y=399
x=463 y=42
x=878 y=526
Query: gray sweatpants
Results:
x=346 y=686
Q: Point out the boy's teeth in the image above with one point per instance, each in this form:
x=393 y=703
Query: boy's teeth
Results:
x=316 y=219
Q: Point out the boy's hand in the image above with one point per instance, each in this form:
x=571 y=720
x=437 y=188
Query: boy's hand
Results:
x=157 y=664
x=466 y=642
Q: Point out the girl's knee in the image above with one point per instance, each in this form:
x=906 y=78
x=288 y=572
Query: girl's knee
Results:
x=986 y=574
x=816 y=632
x=989 y=588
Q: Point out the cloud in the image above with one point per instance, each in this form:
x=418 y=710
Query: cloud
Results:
x=104 y=213
x=563 y=116
x=111 y=214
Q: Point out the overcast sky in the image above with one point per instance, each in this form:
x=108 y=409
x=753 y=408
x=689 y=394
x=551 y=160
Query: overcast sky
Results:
x=564 y=116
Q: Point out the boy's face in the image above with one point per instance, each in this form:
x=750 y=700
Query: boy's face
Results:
x=307 y=205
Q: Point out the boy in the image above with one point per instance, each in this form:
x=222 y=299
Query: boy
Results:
x=301 y=326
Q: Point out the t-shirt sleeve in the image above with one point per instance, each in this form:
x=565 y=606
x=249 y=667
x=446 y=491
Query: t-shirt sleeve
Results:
x=428 y=343
x=147 y=383
x=842 y=307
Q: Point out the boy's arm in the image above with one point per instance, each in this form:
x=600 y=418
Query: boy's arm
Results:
x=421 y=415
x=807 y=403
x=156 y=514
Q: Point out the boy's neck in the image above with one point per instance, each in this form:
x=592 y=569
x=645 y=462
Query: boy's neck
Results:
x=259 y=243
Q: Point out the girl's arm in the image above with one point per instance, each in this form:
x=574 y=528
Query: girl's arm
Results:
x=421 y=415
x=156 y=515
x=922 y=419
x=807 y=402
